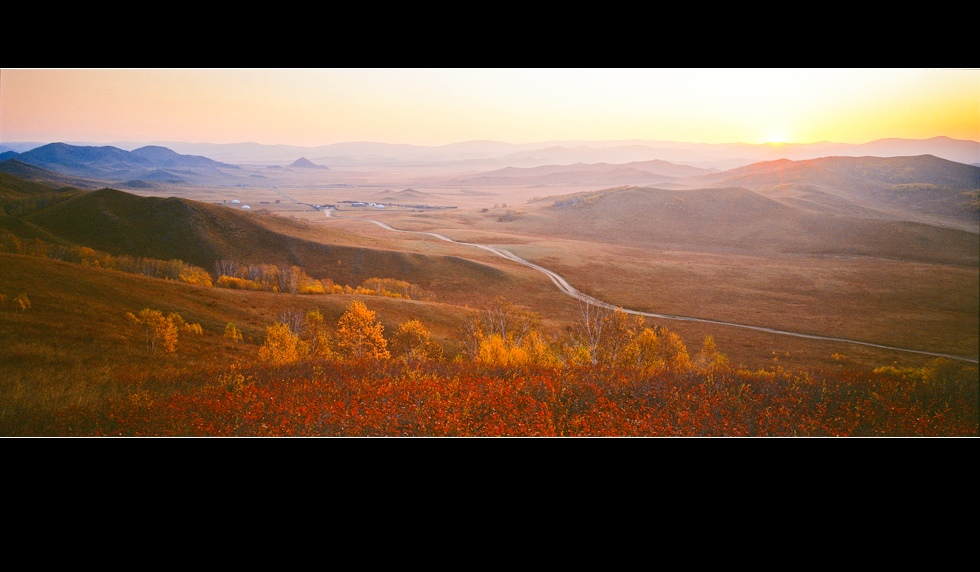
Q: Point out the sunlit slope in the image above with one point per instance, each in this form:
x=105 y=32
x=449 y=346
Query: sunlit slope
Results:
x=742 y=221
x=201 y=234
x=922 y=188
x=75 y=346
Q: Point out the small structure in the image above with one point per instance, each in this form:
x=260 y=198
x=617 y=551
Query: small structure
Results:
x=246 y=207
x=235 y=201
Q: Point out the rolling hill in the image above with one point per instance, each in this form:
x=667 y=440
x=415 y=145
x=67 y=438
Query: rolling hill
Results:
x=635 y=173
x=923 y=188
x=14 y=187
x=30 y=172
x=739 y=220
x=406 y=195
x=201 y=234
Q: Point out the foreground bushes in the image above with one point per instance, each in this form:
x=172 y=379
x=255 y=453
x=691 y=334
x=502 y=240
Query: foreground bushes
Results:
x=396 y=398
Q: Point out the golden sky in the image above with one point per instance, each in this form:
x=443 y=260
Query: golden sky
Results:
x=446 y=105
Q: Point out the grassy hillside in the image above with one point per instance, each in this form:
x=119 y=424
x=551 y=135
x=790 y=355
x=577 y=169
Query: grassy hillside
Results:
x=201 y=234
x=74 y=365
x=30 y=172
x=74 y=344
x=14 y=187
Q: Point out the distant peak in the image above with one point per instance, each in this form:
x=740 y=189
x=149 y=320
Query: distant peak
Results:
x=305 y=163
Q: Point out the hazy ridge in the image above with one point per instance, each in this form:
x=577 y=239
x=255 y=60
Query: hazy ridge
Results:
x=494 y=154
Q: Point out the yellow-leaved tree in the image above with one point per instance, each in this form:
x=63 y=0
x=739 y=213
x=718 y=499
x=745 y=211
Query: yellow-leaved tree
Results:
x=709 y=359
x=23 y=302
x=232 y=332
x=282 y=346
x=413 y=343
x=316 y=335
x=158 y=330
x=360 y=335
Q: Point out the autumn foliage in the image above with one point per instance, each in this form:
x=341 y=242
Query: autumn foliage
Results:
x=458 y=399
x=360 y=335
x=312 y=378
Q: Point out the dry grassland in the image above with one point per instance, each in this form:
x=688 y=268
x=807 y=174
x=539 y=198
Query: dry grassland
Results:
x=917 y=305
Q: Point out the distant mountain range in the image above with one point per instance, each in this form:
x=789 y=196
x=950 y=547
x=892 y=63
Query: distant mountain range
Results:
x=146 y=164
x=654 y=172
x=488 y=155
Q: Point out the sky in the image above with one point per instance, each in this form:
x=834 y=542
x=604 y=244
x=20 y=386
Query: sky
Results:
x=438 y=106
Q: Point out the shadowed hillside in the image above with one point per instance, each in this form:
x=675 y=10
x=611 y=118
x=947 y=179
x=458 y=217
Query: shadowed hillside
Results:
x=202 y=234
x=29 y=172
x=15 y=187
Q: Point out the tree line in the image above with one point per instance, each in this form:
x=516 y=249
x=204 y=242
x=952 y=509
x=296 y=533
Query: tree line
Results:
x=228 y=273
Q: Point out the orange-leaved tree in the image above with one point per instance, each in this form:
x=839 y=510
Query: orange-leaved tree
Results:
x=360 y=335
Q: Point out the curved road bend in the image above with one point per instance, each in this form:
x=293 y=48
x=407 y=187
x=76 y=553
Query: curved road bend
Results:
x=570 y=290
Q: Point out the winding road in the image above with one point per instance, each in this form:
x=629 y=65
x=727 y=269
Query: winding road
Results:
x=570 y=290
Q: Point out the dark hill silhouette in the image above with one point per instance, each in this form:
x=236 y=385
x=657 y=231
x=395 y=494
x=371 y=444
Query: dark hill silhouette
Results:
x=75 y=155
x=109 y=163
x=201 y=234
